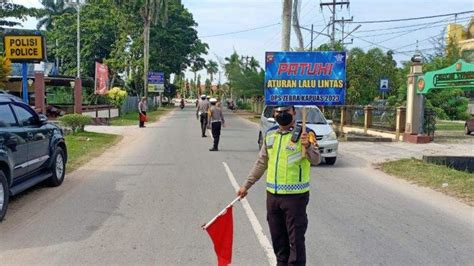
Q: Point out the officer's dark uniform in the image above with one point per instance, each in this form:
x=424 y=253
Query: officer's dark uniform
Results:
x=288 y=176
x=202 y=114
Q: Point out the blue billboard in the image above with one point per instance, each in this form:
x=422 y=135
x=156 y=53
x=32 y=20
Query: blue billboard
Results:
x=156 y=81
x=305 y=78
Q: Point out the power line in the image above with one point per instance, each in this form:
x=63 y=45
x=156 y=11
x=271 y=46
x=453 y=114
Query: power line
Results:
x=415 y=18
x=400 y=35
x=430 y=25
x=406 y=26
x=408 y=45
x=240 y=31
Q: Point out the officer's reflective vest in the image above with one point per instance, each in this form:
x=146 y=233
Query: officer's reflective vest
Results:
x=288 y=172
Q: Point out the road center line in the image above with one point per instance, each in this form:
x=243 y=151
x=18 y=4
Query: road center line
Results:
x=257 y=228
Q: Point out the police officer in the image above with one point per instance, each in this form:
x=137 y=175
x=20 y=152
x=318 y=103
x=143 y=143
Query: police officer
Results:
x=288 y=178
x=216 y=121
x=202 y=113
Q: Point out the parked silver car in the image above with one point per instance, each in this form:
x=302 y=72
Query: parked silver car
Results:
x=325 y=135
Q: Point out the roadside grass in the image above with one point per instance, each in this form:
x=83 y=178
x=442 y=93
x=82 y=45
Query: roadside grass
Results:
x=131 y=118
x=452 y=182
x=249 y=115
x=446 y=125
x=84 y=146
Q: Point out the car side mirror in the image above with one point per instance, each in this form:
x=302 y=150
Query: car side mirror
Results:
x=42 y=119
x=330 y=122
x=271 y=120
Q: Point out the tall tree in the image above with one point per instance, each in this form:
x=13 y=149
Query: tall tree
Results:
x=212 y=68
x=9 y=10
x=52 y=9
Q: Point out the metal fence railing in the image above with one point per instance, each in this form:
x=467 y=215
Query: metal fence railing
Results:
x=429 y=125
x=384 y=118
x=332 y=113
x=355 y=115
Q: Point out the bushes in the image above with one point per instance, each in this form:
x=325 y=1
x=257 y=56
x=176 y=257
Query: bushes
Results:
x=117 y=96
x=75 y=121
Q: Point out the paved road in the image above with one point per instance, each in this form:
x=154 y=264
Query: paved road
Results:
x=144 y=200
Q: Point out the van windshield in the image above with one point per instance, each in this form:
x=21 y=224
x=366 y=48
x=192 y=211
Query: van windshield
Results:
x=313 y=116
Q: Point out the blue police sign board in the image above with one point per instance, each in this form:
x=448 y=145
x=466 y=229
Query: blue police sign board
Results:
x=156 y=81
x=305 y=78
x=384 y=85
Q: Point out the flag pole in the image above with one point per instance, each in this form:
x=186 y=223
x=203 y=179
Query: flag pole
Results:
x=205 y=226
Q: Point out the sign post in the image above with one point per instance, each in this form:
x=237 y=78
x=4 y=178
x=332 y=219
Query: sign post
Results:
x=384 y=86
x=24 y=82
x=305 y=78
x=24 y=49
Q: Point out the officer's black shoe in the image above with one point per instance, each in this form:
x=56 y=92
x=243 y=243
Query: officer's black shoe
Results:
x=204 y=136
x=213 y=149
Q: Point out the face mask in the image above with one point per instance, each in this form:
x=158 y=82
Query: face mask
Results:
x=284 y=119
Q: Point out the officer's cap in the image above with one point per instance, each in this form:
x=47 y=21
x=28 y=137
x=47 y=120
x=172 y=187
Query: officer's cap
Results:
x=203 y=96
x=208 y=96
x=213 y=100
x=281 y=108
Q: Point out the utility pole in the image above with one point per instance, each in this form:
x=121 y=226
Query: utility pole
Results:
x=332 y=7
x=286 y=25
x=343 y=21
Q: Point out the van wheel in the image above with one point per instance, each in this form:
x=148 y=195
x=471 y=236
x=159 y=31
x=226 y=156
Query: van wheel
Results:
x=466 y=130
x=4 y=195
x=330 y=160
x=58 y=168
x=260 y=140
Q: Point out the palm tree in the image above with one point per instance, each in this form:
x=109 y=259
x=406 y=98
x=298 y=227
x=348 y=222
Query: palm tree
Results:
x=52 y=8
x=233 y=64
x=196 y=67
x=212 y=68
x=296 y=24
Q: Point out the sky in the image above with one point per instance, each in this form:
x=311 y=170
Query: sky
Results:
x=226 y=17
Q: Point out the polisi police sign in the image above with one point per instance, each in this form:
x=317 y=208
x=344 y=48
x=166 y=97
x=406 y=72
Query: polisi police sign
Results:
x=24 y=48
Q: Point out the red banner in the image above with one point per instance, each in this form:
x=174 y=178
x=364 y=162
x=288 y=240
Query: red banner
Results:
x=101 y=78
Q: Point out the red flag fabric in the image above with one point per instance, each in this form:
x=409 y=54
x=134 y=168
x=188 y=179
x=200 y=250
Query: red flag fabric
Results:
x=221 y=232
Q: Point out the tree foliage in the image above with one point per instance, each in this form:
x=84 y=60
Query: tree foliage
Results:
x=113 y=33
x=5 y=69
x=245 y=77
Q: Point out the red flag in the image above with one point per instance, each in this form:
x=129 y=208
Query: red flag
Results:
x=221 y=232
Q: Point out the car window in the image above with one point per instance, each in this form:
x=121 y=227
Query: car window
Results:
x=313 y=116
x=7 y=119
x=25 y=117
x=268 y=112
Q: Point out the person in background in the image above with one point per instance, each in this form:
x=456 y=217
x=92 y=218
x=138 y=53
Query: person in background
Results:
x=202 y=113
x=216 y=121
x=142 y=108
